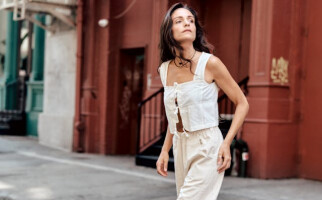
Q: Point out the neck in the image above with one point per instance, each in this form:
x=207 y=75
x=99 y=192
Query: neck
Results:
x=188 y=50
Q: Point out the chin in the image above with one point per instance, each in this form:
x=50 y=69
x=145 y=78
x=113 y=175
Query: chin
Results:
x=186 y=39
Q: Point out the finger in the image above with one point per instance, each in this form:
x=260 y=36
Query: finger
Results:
x=162 y=172
x=219 y=159
x=220 y=163
x=159 y=168
x=220 y=168
x=226 y=164
x=165 y=166
x=226 y=160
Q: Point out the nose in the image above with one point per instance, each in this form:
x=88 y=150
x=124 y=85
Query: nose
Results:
x=186 y=22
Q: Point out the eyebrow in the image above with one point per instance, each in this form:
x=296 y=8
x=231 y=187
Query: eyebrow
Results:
x=190 y=16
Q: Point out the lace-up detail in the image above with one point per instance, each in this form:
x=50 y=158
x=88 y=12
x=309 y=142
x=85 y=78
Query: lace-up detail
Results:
x=176 y=111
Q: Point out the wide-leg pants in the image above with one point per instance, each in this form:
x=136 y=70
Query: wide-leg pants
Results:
x=195 y=162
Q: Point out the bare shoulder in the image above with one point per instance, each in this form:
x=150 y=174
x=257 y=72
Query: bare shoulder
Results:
x=217 y=68
x=213 y=62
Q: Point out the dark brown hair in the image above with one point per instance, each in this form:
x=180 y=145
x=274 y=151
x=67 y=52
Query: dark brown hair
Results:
x=168 y=44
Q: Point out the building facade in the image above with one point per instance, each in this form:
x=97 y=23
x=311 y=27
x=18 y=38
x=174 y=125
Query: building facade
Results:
x=269 y=41
x=98 y=72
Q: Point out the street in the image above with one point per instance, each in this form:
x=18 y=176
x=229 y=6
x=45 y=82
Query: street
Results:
x=31 y=171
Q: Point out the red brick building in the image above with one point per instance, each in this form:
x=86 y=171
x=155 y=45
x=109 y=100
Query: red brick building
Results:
x=276 y=44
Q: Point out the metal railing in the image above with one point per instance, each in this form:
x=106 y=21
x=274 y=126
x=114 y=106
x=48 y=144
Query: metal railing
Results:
x=226 y=107
x=152 y=121
x=14 y=121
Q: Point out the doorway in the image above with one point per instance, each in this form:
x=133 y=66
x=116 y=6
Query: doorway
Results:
x=129 y=96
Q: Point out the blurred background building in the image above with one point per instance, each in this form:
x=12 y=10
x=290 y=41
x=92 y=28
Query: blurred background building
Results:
x=74 y=72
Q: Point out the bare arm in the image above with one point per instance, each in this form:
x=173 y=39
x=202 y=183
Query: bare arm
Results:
x=167 y=141
x=224 y=80
x=162 y=163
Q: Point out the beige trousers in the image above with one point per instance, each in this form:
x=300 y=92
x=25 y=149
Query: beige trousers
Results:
x=195 y=163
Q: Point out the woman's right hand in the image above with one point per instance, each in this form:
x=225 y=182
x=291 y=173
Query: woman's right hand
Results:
x=162 y=163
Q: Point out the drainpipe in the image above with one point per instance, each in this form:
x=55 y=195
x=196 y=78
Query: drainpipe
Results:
x=79 y=125
x=37 y=72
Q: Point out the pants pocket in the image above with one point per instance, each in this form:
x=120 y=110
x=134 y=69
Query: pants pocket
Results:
x=208 y=144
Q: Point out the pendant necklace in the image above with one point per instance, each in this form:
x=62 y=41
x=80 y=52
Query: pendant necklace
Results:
x=180 y=63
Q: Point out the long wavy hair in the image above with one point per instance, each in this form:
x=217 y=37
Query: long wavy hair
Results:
x=168 y=44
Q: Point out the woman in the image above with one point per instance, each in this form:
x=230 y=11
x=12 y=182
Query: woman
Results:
x=191 y=77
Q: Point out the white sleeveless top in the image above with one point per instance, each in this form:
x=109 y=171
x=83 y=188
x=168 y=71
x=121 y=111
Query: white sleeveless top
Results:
x=196 y=99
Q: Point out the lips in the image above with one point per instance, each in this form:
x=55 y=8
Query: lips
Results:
x=186 y=30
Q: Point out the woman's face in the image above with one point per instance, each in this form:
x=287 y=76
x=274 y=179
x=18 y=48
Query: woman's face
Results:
x=183 y=28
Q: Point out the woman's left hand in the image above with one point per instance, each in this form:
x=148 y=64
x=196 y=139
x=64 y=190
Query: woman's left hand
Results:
x=224 y=157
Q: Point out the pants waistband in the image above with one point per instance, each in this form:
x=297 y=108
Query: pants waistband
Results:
x=185 y=133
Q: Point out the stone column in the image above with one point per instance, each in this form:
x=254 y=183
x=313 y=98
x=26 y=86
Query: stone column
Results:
x=55 y=123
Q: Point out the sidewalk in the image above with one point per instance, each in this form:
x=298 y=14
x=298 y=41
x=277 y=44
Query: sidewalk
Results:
x=30 y=171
